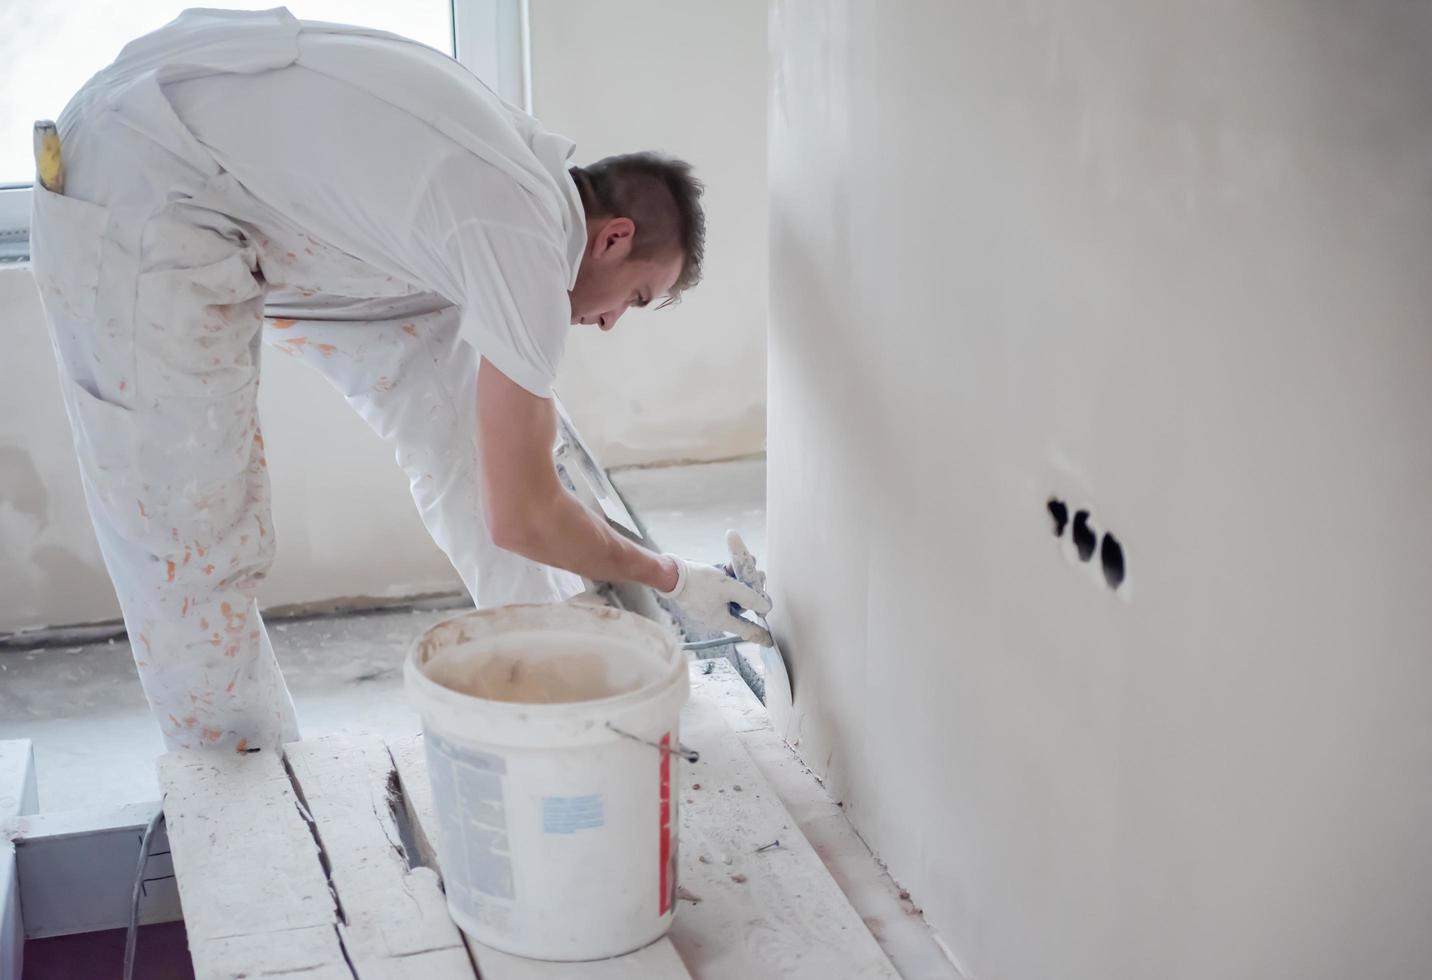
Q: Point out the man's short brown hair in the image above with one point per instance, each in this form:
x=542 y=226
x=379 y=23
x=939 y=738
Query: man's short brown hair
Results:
x=660 y=196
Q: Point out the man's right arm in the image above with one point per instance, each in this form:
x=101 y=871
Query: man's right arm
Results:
x=526 y=507
x=529 y=512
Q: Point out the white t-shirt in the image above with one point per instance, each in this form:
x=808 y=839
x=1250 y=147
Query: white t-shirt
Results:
x=398 y=156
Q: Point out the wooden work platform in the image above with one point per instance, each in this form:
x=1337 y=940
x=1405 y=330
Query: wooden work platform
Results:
x=320 y=863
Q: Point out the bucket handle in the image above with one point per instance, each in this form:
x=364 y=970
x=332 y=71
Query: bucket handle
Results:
x=690 y=755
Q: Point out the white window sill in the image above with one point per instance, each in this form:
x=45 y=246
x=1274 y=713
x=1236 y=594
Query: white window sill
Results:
x=14 y=224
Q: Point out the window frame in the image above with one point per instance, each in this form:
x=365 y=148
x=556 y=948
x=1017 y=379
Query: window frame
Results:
x=490 y=37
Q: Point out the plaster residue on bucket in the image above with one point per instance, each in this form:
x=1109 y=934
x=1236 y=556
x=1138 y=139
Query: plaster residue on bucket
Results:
x=539 y=667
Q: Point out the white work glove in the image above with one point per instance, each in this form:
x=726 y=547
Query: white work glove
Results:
x=705 y=595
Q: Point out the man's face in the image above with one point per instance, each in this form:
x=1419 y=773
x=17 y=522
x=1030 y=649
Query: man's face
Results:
x=610 y=280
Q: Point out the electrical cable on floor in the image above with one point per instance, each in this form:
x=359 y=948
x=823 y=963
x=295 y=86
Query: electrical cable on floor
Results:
x=131 y=937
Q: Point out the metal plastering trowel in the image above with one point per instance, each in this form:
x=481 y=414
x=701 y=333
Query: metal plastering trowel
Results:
x=579 y=471
x=744 y=569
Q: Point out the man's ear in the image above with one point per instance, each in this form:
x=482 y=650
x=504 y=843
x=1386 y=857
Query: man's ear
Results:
x=615 y=237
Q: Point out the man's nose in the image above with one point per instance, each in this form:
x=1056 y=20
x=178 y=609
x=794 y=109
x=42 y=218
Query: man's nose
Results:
x=609 y=320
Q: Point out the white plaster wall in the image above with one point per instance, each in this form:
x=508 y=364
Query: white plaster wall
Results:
x=345 y=523
x=1171 y=264
x=686 y=77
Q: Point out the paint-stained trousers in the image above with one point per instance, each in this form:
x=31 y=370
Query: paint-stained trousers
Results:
x=158 y=302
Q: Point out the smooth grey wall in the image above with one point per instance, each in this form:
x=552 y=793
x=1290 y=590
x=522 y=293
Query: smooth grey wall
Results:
x=1172 y=264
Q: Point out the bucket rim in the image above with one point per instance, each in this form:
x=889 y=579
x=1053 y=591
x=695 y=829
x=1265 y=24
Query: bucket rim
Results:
x=674 y=671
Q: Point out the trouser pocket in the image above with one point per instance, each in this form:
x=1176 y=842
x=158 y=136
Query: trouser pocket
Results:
x=68 y=238
x=107 y=443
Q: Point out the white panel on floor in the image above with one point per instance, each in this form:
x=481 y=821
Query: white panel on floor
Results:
x=18 y=796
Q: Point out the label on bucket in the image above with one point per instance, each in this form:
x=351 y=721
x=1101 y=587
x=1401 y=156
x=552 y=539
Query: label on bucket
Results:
x=569 y=814
x=467 y=796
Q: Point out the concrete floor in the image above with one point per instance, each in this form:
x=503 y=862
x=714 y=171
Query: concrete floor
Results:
x=95 y=741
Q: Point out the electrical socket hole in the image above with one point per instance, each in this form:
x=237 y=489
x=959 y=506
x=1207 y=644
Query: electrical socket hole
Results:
x=1084 y=539
x=1060 y=513
x=1111 y=554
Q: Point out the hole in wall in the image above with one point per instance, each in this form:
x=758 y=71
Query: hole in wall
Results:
x=1084 y=539
x=1111 y=554
x=1060 y=513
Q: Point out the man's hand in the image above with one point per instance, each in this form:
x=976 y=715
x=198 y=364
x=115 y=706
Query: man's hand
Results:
x=705 y=595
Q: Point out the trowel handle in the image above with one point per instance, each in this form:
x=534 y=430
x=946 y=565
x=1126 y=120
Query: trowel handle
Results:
x=743 y=565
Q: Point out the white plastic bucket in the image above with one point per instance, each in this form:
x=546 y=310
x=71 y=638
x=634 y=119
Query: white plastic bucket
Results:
x=556 y=832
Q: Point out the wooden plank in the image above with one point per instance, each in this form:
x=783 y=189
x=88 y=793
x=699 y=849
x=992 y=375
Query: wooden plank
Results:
x=410 y=761
x=659 y=961
x=884 y=907
x=718 y=682
x=788 y=918
x=394 y=920
x=308 y=952
x=18 y=795
x=749 y=912
x=256 y=899
x=76 y=870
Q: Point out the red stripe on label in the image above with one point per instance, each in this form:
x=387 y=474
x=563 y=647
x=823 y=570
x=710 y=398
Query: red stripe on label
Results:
x=668 y=878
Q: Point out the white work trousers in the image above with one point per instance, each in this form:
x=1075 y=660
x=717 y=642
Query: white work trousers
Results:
x=158 y=299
